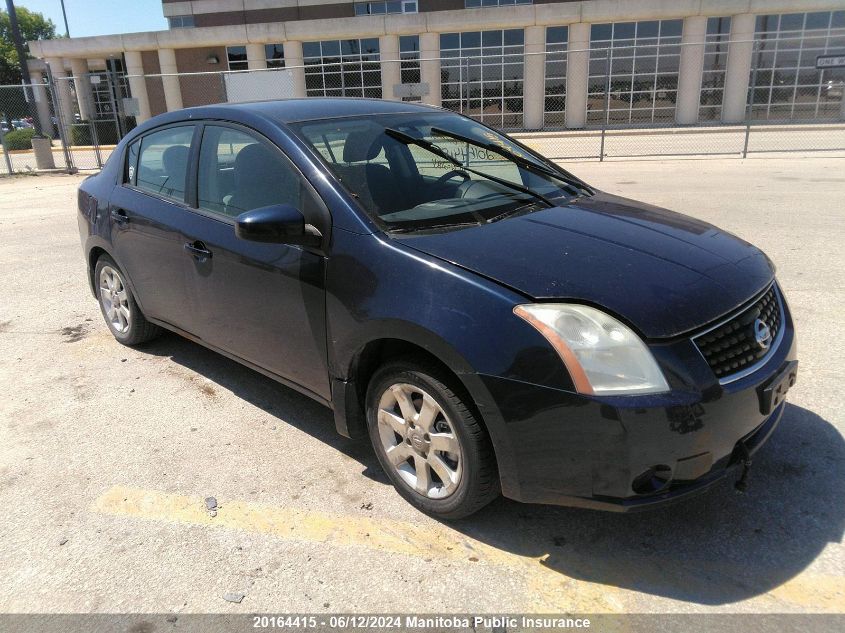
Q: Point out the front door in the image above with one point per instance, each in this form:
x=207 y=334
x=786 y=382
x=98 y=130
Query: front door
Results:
x=264 y=303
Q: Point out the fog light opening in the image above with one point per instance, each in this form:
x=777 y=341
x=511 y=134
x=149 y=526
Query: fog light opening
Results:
x=653 y=479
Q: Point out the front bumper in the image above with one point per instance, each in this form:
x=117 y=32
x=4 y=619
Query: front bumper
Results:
x=575 y=450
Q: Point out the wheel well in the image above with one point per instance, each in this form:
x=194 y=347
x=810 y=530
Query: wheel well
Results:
x=93 y=256
x=377 y=353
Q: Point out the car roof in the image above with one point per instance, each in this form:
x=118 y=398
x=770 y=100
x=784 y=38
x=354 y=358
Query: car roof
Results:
x=310 y=108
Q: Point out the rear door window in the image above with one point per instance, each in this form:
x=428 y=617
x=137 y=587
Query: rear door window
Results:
x=163 y=162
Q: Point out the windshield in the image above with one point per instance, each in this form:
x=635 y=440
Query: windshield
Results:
x=436 y=170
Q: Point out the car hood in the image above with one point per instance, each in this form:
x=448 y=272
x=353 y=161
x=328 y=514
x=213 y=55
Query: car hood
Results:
x=663 y=272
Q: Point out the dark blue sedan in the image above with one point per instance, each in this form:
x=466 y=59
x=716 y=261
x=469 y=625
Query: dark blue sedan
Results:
x=492 y=322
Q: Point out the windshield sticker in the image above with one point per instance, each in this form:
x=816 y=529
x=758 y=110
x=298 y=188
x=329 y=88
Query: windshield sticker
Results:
x=465 y=153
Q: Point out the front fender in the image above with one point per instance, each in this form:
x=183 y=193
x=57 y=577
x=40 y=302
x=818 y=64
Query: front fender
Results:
x=378 y=290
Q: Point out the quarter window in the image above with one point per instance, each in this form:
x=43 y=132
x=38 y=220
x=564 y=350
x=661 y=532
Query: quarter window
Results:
x=240 y=172
x=163 y=162
x=131 y=162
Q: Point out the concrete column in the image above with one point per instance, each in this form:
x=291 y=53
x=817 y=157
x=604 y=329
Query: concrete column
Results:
x=256 y=58
x=391 y=74
x=82 y=85
x=170 y=82
x=64 y=107
x=294 y=62
x=39 y=89
x=430 y=67
x=577 y=73
x=534 y=86
x=691 y=68
x=737 y=73
x=138 y=84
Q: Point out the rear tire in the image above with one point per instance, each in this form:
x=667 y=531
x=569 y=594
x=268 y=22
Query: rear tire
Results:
x=437 y=454
x=120 y=310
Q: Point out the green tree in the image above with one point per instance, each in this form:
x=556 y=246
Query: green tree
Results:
x=34 y=26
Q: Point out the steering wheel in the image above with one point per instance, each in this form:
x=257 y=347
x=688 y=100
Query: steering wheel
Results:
x=452 y=174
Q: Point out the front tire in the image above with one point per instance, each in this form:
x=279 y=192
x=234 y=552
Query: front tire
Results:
x=120 y=310
x=437 y=454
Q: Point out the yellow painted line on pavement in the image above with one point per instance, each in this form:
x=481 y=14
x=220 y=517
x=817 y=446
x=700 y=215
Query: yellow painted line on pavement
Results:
x=813 y=591
x=547 y=589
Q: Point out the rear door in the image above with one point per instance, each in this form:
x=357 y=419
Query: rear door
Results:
x=264 y=303
x=150 y=217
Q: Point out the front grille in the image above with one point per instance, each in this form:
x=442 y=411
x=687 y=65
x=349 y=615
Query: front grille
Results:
x=732 y=346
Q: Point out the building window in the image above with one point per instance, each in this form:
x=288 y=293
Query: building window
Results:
x=641 y=59
x=786 y=83
x=715 y=64
x=274 y=55
x=342 y=68
x=482 y=75
x=473 y=4
x=236 y=57
x=181 y=21
x=108 y=90
x=409 y=53
x=380 y=7
x=555 y=107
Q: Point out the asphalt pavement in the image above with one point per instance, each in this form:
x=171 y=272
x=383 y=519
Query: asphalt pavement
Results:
x=109 y=454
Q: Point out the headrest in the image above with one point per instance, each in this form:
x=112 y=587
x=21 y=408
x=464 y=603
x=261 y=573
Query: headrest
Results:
x=361 y=145
x=175 y=158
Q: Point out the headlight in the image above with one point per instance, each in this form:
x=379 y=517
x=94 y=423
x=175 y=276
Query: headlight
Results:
x=603 y=356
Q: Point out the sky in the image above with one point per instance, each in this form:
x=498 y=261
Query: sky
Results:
x=100 y=17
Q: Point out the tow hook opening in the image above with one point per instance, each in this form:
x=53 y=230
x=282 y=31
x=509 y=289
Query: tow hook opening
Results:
x=744 y=458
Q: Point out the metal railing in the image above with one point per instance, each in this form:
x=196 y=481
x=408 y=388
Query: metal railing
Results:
x=630 y=99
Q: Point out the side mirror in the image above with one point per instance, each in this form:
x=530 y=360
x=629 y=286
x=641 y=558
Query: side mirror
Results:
x=277 y=224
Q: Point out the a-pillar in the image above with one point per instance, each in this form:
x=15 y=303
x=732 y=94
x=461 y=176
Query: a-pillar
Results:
x=691 y=68
x=169 y=79
x=138 y=84
x=295 y=64
x=256 y=57
x=577 y=73
x=82 y=85
x=534 y=90
x=430 y=67
x=390 y=69
x=738 y=68
x=64 y=108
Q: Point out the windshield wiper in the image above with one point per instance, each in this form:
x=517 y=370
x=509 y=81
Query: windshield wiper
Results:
x=519 y=160
x=413 y=228
x=407 y=139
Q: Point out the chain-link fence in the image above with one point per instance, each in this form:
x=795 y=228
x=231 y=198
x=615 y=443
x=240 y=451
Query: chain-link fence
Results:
x=65 y=123
x=646 y=95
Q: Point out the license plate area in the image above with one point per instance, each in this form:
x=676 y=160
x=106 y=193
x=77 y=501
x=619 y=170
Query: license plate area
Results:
x=773 y=392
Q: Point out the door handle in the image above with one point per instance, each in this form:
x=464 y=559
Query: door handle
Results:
x=119 y=216
x=198 y=250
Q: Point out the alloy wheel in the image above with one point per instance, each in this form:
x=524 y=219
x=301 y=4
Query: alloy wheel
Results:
x=115 y=300
x=419 y=441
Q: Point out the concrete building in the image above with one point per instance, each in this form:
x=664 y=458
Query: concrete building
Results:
x=518 y=64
